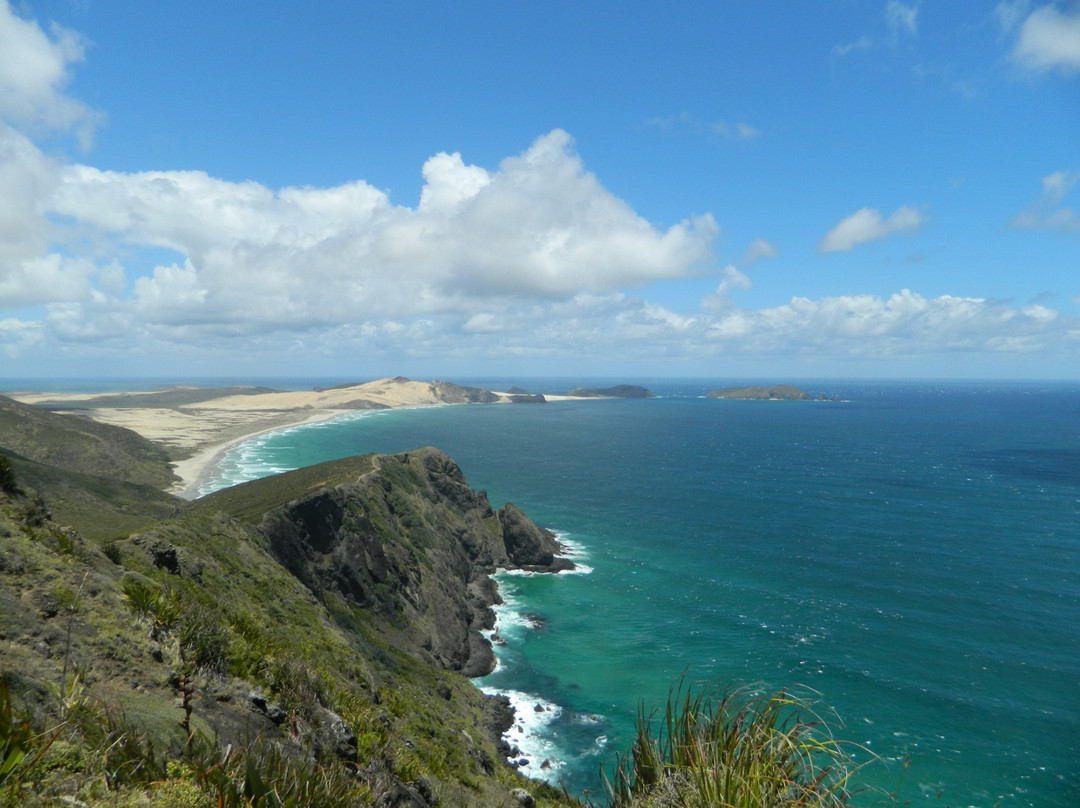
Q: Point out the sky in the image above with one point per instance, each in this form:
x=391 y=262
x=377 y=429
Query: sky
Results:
x=741 y=189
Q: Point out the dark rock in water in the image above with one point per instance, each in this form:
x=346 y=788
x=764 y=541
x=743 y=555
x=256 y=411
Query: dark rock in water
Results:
x=536 y=621
x=530 y=547
x=546 y=764
x=539 y=708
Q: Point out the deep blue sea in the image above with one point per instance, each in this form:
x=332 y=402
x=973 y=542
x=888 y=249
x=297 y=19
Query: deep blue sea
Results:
x=910 y=553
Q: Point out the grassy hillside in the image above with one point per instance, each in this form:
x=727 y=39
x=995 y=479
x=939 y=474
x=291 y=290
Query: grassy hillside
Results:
x=168 y=397
x=189 y=644
x=80 y=445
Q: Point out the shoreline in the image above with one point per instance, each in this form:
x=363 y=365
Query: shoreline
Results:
x=194 y=471
x=197 y=430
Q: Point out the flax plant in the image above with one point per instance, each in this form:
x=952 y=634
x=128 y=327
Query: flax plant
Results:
x=738 y=749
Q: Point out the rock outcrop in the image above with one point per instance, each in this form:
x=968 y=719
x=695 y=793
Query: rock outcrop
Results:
x=410 y=539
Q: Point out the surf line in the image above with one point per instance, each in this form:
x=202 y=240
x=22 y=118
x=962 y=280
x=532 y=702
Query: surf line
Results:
x=530 y=743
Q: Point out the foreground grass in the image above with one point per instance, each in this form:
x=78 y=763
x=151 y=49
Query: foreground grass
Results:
x=736 y=749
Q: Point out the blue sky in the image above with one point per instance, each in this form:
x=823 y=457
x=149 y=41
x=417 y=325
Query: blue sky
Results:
x=743 y=189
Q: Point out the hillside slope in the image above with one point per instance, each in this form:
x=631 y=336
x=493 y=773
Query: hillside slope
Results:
x=81 y=445
x=309 y=631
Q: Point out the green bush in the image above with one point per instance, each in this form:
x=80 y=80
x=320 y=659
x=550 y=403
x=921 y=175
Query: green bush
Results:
x=160 y=608
x=204 y=639
x=8 y=483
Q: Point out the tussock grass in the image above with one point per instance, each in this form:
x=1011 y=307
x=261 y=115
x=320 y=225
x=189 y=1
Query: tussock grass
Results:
x=736 y=749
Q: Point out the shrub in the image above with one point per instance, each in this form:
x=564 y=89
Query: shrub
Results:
x=8 y=483
x=159 y=608
x=204 y=639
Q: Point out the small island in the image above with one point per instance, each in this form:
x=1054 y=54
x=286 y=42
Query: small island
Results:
x=778 y=392
x=618 y=391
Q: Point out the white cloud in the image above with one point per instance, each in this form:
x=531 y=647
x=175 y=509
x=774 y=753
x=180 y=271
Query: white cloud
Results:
x=904 y=324
x=1049 y=38
x=33 y=73
x=720 y=299
x=27 y=180
x=1047 y=212
x=759 y=248
x=861 y=44
x=734 y=131
x=686 y=122
x=255 y=260
x=1009 y=14
x=866 y=225
x=902 y=18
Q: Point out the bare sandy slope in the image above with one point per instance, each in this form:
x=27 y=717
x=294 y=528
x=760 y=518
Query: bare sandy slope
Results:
x=384 y=393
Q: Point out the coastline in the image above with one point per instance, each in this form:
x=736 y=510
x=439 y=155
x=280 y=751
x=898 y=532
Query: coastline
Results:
x=194 y=471
x=197 y=432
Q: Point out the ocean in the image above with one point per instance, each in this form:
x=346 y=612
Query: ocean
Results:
x=909 y=554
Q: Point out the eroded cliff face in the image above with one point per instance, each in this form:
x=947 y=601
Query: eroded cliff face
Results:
x=413 y=543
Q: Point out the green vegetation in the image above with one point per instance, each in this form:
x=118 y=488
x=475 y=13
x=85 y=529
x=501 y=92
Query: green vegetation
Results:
x=739 y=748
x=183 y=664
x=73 y=444
x=7 y=476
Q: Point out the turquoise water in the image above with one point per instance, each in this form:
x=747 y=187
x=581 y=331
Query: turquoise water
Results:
x=911 y=553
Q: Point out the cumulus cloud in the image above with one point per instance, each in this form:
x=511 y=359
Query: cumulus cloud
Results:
x=253 y=259
x=866 y=225
x=1048 y=39
x=1047 y=212
x=34 y=72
